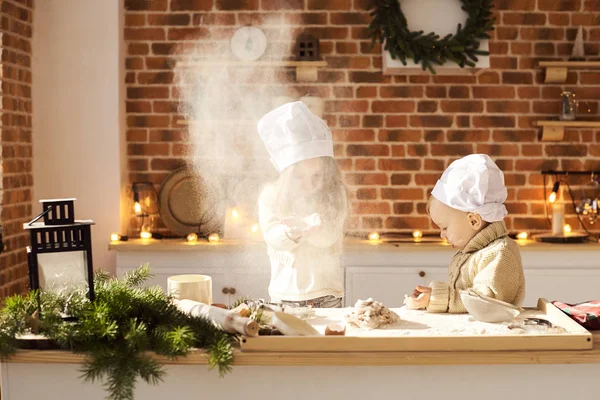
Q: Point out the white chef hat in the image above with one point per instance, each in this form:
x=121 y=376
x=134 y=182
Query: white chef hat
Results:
x=292 y=133
x=473 y=184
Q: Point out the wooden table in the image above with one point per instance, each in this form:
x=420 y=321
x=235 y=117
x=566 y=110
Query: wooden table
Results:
x=524 y=374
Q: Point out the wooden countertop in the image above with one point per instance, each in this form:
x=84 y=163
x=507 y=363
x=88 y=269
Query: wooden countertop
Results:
x=354 y=358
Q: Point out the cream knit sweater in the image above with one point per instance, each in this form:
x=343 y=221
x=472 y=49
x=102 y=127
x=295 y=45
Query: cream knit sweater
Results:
x=490 y=264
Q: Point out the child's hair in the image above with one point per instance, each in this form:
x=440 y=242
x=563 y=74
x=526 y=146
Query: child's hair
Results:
x=330 y=202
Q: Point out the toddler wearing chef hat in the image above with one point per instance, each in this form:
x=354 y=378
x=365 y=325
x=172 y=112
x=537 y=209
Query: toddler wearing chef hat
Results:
x=302 y=214
x=467 y=204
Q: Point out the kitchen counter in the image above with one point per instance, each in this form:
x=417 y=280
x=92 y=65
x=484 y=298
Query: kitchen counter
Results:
x=31 y=375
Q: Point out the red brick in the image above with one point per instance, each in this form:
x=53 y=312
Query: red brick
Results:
x=407 y=223
x=390 y=106
x=498 y=48
x=498 y=150
x=213 y=18
x=136 y=135
x=183 y=149
x=169 y=19
x=277 y=5
x=507 y=33
x=146 y=5
x=451 y=149
x=434 y=165
x=560 y=19
x=546 y=107
x=534 y=164
x=558 y=150
x=144 y=34
x=436 y=92
x=542 y=34
x=469 y=136
x=368 y=77
x=426 y=179
x=398 y=150
x=520 y=48
x=366 y=179
x=431 y=121
x=364 y=164
x=135 y=20
x=138 y=164
x=347 y=106
x=524 y=18
x=366 y=194
x=559 y=5
x=150 y=149
x=366 y=92
x=493 y=92
x=513 y=5
x=155 y=92
x=370 y=208
x=538 y=223
x=372 y=223
x=329 y=5
x=134 y=63
x=151 y=121
x=402 y=194
x=493 y=122
x=544 y=49
x=166 y=164
x=399 y=165
x=165 y=135
x=458 y=106
x=372 y=121
x=427 y=106
x=401 y=91
x=346 y=47
x=454 y=79
x=503 y=62
x=517 y=78
x=396 y=121
x=514 y=136
x=354 y=135
x=349 y=121
x=363 y=150
x=348 y=62
x=136 y=49
x=512 y=107
x=235 y=5
x=150 y=78
x=138 y=107
x=188 y=33
x=350 y=18
x=528 y=92
x=417 y=150
x=401 y=179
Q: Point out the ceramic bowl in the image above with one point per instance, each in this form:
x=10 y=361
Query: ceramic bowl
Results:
x=486 y=309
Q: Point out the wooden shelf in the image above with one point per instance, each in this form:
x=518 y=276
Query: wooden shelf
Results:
x=306 y=71
x=555 y=130
x=556 y=71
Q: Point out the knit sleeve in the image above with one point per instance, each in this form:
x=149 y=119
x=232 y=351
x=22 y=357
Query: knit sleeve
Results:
x=273 y=231
x=438 y=301
x=501 y=276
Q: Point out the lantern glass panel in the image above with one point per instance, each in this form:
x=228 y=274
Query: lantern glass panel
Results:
x=63 y=273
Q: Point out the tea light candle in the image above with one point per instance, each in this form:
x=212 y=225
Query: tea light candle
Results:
x=114 y=237
x=192 y=237
x=567 y=229
x=373 y=236
x=522 y=236
x=417 y=234
x=145 y=235
x=213 y=237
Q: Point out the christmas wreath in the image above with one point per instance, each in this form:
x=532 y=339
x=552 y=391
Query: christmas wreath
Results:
x=389 y=26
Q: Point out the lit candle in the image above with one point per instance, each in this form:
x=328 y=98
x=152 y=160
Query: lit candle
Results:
x=114 y=237
x=145 y=235
x=567 y=228
x=213 y=237
x=522 y=236
x=417 y=234
x=235 y=214
x=373 y=236
x=255 y=228
x=137 y=208
x=192 y=237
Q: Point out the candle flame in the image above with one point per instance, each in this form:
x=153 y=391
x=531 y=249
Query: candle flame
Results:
x=522 y=236
x=235 y=213
x=373 y=236
x=213 y=237
x=137 y=208
x=552 y=197
x=417 y=234
x=114 y=237
x=145 y=235
x=192 y=237
x=567 y=228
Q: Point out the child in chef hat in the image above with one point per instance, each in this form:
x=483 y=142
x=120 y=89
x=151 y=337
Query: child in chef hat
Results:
x=467 y=204
x=302 y=214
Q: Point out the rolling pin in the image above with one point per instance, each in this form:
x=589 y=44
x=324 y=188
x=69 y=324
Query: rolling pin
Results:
x=229 y=321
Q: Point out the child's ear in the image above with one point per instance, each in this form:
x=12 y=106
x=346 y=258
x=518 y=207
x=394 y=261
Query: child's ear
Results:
x=475 y=221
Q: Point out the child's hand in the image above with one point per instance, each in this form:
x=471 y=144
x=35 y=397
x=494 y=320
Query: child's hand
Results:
x=313 y=223
x=419 y=299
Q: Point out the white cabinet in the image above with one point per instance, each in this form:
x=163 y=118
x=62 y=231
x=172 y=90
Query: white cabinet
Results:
x=387 y=284
x=564 y=285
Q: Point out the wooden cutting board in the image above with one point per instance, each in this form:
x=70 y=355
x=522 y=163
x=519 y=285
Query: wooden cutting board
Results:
x=419 y=331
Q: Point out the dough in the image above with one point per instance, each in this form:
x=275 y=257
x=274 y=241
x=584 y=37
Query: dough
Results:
x=370 y=314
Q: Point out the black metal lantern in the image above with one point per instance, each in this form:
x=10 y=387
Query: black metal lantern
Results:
x=60 y=255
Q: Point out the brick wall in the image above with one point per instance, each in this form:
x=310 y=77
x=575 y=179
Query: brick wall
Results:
x=394 y=134
x=15 y=137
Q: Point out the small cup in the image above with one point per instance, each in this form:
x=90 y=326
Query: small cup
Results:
x=191 y=287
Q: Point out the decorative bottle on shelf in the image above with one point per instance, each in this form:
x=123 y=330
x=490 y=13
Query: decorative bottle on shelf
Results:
x=568 y=107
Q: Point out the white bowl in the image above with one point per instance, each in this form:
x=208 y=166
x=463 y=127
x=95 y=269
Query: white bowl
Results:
x=486 y=309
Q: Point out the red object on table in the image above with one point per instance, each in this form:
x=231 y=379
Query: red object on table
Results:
x=586 y=314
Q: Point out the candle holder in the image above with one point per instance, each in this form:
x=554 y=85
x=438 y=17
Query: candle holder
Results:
x=144 y=210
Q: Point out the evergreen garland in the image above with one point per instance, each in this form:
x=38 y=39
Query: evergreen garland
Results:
x=115 y=331
x=389 y=26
